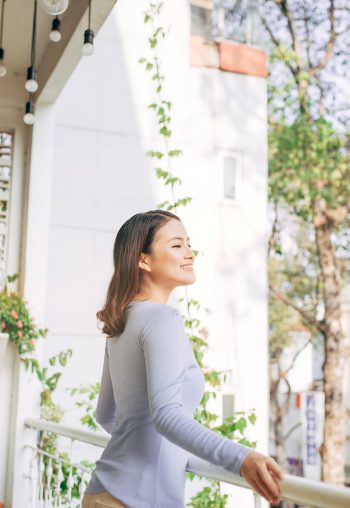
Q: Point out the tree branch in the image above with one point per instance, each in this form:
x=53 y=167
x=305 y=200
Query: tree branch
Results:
x=283 y=5
x=276 y=42
x=292 y=429
x=309 y=319
x=297 y=354
x=330 y=43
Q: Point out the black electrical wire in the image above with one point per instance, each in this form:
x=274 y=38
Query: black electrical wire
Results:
x=2 y=21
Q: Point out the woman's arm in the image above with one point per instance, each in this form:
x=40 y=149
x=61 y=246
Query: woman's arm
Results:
x=105 y=409
x=165 y=346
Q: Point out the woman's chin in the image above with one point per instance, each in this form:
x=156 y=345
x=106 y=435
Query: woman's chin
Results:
x=190 y=279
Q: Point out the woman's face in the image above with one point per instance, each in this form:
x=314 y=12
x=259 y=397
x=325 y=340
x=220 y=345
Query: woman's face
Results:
x=171 y=252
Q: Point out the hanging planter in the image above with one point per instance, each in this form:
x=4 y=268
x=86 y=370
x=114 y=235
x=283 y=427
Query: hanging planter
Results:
x=17 y=323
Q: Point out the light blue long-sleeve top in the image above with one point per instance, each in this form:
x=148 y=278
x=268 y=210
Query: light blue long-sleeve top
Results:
x=151 y=384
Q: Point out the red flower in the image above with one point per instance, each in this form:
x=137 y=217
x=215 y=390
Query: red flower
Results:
x=19 y=334
x=3 y=324
x=14 y=313
x=19 y=324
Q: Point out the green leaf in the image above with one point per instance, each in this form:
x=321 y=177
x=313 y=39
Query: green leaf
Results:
x=164 y=131
x=175 y=153
x=154 y=154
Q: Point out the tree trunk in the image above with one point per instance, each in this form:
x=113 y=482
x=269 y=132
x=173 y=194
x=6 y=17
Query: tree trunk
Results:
x=333 y=447
x=277 y=414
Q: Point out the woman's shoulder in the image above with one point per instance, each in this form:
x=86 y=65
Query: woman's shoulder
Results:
x=154 y=317
x=152 y=308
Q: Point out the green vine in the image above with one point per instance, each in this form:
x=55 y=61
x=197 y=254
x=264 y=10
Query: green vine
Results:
x=233 y=427
x=86 y=401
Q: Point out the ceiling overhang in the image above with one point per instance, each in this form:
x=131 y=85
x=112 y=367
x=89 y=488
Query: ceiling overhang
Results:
x=55 y=62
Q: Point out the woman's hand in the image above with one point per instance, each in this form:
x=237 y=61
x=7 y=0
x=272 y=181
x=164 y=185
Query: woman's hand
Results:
x=262 y=473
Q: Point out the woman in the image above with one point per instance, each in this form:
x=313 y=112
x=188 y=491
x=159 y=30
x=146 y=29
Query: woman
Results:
x=151 y=382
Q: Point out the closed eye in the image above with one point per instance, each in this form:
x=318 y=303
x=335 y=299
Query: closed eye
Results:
x=180 y=246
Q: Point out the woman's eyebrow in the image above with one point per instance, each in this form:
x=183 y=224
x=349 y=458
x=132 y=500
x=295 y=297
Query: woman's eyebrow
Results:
x=177 y=238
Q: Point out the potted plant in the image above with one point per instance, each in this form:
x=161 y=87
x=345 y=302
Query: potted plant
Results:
x=16 y=322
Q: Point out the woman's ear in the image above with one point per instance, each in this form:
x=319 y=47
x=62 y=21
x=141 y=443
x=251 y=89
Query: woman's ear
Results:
x=143 y=263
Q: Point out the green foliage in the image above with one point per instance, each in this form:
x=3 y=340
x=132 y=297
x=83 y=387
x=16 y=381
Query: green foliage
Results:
x=308 y=161
x=68 y=469
x=47 y=378
x=209 y=497
x=16 y=320
x=88 y=394
x=161 y=108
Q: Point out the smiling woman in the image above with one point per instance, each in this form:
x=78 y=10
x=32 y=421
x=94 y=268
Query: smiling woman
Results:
x=151 y=381
x=150 y=255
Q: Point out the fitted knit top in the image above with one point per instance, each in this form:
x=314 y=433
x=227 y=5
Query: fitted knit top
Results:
x=151 y=384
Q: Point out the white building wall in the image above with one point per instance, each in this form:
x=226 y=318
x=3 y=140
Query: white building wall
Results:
x=101 y=177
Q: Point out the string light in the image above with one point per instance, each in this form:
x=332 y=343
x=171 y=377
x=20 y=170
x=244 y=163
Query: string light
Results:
x=88 y=47
x=32 y=75
x=29 y=117
x=55 y=34
x=3 y=69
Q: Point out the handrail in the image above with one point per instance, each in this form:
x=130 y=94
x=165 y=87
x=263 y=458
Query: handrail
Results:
x=293 y=488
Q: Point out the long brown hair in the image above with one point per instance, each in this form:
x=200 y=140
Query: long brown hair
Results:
x=135 y=236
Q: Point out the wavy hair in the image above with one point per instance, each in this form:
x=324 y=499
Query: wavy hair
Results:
x=133 y=238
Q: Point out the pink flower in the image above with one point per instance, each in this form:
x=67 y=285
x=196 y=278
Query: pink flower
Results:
x=19 y=324
x=19 y=334
x=14 y=313
x=3 y=324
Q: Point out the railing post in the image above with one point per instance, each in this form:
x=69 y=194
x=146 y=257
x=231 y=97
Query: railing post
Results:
x=257 y=501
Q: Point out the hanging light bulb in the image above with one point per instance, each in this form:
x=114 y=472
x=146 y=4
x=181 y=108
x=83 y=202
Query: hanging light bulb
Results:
x=31 y=84
x=29 y=117
x=54 y=7
x=3 y=69
x=88 y=47
x=55 y=34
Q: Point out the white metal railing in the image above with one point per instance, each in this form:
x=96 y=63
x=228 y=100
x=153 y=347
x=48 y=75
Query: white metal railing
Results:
x=41 y=493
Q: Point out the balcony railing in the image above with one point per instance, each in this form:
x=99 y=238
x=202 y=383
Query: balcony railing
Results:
x=44 y=467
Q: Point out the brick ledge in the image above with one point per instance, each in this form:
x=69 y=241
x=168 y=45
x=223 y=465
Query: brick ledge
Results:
x=228 y=56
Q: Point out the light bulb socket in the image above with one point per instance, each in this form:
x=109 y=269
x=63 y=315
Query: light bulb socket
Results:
x=32 y=73
x=89 y=36
x=2 y=53
x=29 y=117
x=29 y=108
x=56 y=24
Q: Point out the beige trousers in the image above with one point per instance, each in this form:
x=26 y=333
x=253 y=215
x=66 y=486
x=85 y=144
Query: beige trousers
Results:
x=101 y=500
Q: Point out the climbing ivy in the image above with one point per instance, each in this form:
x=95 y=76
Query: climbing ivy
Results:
x=235 y=426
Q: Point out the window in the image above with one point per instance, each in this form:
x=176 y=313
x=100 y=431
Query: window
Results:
x=230 y=177
x=235 y=20
x=201 y=18
x=230 y=167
